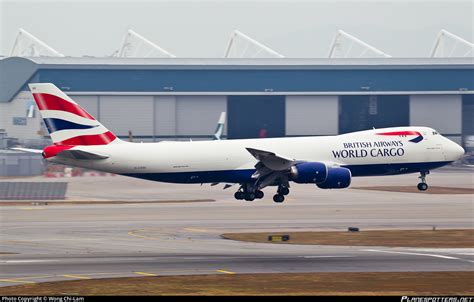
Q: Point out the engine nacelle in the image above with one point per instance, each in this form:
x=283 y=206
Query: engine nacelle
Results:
x=337 y=178
x=312 y=172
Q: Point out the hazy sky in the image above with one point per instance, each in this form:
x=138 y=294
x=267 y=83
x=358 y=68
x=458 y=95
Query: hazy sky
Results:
x=202 y=28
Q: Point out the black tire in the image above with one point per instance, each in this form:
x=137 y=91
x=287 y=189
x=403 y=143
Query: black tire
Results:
x=278 y=198
x=249 y=196
x=283 y=191
x=259 y=194
x=239 y=195
x=422 y=186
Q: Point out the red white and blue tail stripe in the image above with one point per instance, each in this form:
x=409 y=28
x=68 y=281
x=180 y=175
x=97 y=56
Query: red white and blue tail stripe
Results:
x=67 y=122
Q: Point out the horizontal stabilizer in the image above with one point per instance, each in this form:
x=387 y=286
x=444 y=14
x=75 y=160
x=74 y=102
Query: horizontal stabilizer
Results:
x=81 y=155
x=38 y=151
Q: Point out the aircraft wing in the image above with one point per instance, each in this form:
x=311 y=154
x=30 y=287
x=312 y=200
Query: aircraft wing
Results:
x=271 y=160
x=271 y=168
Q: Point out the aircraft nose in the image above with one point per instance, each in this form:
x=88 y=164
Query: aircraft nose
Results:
x=454 y=151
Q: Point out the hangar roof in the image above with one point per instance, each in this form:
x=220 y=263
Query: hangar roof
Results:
x=239 y=76
x=85 y=62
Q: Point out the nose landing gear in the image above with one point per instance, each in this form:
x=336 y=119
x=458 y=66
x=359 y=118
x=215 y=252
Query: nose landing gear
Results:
x=423 y=186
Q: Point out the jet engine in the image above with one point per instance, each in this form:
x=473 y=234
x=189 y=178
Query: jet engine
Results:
x=311 y=172
x=337 y=178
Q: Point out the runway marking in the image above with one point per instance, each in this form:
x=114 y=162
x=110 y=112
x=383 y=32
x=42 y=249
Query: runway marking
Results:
x=25 y=261
x=29 y=209
x=16 y=281
x=116 y=273
x=225 y=272
x=419 y=254
x=77 y=277
x=134 y=234
x=456 y=251
x=195 y=230
x=145 y=274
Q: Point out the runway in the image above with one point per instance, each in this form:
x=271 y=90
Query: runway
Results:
x=70 y=242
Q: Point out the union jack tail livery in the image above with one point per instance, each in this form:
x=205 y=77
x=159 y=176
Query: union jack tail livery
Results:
x=67 y=122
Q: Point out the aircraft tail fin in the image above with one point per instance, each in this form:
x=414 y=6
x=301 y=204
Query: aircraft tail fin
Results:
x=220 y=127
x=66 y=121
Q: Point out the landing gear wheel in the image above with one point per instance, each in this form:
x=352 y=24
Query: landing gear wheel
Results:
x=283 y=191
x=239 y=195
x=278 y=198
x=249 y=196
x=259 y=194
x=422 y=186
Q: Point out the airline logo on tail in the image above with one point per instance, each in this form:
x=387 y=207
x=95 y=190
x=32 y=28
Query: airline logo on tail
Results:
x=67 y=122
x=417 y=139
x=220 y=127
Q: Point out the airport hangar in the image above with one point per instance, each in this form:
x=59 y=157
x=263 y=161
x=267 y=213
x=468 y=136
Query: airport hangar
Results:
x=176 y=98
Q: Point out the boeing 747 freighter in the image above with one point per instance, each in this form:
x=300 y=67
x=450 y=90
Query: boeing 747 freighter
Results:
x=327 y=162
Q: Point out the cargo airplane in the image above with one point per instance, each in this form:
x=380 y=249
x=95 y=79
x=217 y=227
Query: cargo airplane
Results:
x=328 y=162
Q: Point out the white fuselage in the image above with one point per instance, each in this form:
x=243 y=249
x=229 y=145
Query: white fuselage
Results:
x=364 y=152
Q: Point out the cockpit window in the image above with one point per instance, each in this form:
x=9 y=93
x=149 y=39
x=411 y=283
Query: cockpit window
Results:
x=435 y=133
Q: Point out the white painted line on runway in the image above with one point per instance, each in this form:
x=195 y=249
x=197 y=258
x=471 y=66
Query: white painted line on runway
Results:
x=24 y=261
x=457 y=251
x=418 y=254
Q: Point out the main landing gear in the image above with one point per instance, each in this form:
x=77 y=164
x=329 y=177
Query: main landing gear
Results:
x=281 y=192
x=248 y=193
x=423 y=186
